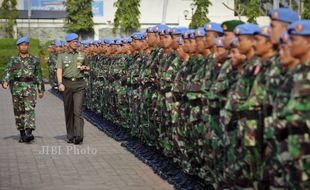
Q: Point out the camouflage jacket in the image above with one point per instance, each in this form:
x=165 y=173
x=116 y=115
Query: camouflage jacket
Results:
x=240 y=90
x=24 y=68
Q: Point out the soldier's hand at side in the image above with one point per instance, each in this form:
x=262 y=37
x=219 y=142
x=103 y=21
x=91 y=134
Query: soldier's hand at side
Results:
x=41 y=95
x=5 y=85
x=61 y=87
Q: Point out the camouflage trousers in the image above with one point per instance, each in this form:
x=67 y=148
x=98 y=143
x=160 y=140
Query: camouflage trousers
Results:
x=24 y=110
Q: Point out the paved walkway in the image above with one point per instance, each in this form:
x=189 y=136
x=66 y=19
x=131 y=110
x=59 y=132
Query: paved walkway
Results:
x=50 y=163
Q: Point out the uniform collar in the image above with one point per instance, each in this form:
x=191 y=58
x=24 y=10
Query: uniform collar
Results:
x=72 y=51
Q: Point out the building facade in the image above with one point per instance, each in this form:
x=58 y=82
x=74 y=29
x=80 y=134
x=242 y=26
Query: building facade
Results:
x=46 y=20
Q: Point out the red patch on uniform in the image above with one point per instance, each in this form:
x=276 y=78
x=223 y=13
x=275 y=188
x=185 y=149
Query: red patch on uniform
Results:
x=256 y=70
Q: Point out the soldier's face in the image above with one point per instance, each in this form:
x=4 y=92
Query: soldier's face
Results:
x=73 y=44
x=175 y=41
x=286 y=57
x=221 y=54
x=167 y=41
x=210 y=37
x=227 y=38
x=300 y=46
x=246 y=43
x=261 y=46
x=161 y=40
x=200 y=44
x=236 y=57
x=186 y=46
x=152 y=39
x=277 y=28
x=23 y=48
x=193 y=45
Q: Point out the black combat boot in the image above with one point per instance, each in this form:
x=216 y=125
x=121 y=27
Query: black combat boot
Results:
x=29 y=135
x=78 y=140
x=22 y=136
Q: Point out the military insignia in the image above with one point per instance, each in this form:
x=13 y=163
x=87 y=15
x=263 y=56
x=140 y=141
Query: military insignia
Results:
x=174 y=31
x=156 y=29
x=298 y=28
x=185 y=35
x=198 y=33
x=209 y=27
x=257 y=70
x=237 y=31
x=225 y=27
x=265 y=30
x=275 y=15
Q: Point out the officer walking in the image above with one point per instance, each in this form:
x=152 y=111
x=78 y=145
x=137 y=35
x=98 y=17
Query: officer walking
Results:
x=23 y=75
x=70 y=66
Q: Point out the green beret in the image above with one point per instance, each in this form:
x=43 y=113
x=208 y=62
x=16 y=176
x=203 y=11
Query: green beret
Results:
x=230 y=25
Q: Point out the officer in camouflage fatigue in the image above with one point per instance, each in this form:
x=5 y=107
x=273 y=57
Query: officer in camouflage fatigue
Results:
x=24 y=77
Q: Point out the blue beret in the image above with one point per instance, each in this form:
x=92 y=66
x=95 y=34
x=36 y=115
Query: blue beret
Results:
x=127 y=40
x=264 y=31
x=284 y=15
x=22 y=40
x=200 y=32
x=178 y=30
x=112 y=41
x=160 y=27
x=218 y=42
x=301 y=27
x=189 y=34
x=151 y=29
x=71 y=36
x=118 y=41
x=213 y=27
x=108 y=41
x=166 y=31
x=87 y=42
x=95 y=42
x=247 y=29
x=138 y=35
x=58 y=43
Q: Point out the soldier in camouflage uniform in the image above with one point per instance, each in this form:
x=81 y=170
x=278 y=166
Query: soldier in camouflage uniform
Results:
x=51 y=62
x=236 y=95
x=24 y=77
x=292 y=125
x=150 y=85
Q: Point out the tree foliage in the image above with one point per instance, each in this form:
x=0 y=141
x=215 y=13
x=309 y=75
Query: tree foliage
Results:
x=80 y=17
x=200 y=16
x=306 y=12
x=8 y=12
x=250 y=8
x=127 y=16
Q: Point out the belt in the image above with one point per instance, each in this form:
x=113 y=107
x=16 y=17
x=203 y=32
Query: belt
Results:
x=248 y=114
x=214 y=111
x=24 y=79
x=73 y=78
